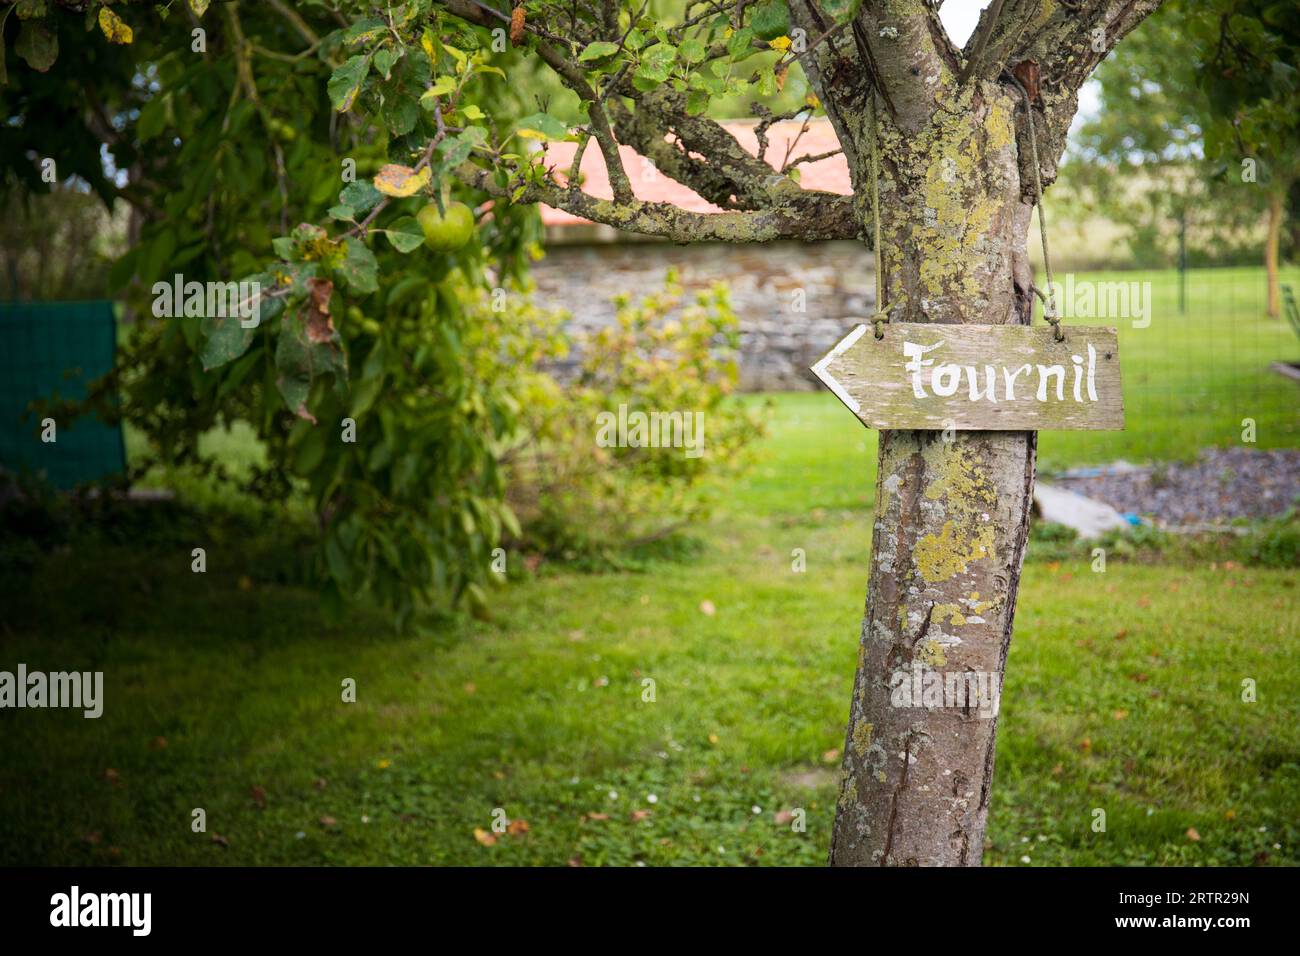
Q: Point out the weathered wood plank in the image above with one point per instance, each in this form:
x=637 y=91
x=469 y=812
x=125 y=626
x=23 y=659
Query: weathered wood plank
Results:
x=978 y=377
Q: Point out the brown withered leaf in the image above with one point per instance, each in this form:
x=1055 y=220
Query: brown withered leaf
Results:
x=259 y=796
x=1026 y=71
x=517 y=827
x=219 y=840
x=1193 y=835
x=316 y=311
x=517 y=19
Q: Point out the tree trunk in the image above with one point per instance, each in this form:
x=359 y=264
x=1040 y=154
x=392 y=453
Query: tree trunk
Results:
x=952 y=509
x=1271 y=250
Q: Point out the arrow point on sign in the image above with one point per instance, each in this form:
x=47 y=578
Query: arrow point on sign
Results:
x=822 y=369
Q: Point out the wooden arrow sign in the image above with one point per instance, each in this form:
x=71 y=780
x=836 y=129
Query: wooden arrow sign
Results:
x=978 y=377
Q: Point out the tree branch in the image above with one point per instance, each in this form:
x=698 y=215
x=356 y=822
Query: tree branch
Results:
x=810 y=216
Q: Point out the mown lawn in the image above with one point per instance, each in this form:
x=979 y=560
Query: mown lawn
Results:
x=1123 y=689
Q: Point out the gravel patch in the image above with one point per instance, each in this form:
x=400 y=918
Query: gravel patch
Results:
x=1223 y=484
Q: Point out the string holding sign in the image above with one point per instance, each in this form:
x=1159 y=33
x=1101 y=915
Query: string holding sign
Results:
x=882 y=311
x=1049 y=301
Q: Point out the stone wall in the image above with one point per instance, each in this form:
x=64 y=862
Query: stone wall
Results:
x=778 y=343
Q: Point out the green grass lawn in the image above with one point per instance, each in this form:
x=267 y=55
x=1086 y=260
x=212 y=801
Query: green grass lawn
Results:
x=1123 y=689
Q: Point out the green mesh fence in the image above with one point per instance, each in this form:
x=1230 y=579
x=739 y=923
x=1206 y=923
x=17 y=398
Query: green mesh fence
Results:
x=47 y=350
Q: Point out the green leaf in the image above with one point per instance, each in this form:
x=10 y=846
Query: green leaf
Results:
x=542 y=126
x=342 y=213
x=658 y=62
x=443 y=86
x=456 y=150
x=225 y=338
x=692 y=50
x=741 y=44
x=597 y=51
x=384 y=60
x=400 y=113
x=364 y=30
x=770 y=20
x=359 y=268
x=300 y=361
x=37 y=44
x=360 y=195
x=405 y=234
x=345 y=83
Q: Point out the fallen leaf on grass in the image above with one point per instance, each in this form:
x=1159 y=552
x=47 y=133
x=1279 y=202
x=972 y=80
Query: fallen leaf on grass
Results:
x=219 y=840
x=328 y=821
x=517 y=827
x=158 y=743
x=596 y=816
x=259 y=797
x=782 y=817
x=1193 y=835
x=1120 y=714
x=639 y=815
x=831 y=756
x=707 y=608
x=1086 y=744
x=483 y=837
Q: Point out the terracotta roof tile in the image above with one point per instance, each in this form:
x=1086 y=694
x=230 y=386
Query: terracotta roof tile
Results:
x=650 y=185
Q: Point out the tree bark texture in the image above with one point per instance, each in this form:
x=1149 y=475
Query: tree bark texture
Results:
x=952 y=508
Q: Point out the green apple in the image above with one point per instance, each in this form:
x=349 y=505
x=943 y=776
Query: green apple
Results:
x=446 y=232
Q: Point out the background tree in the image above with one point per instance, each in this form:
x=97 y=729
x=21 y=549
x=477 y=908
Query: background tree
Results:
x=1199 y=117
